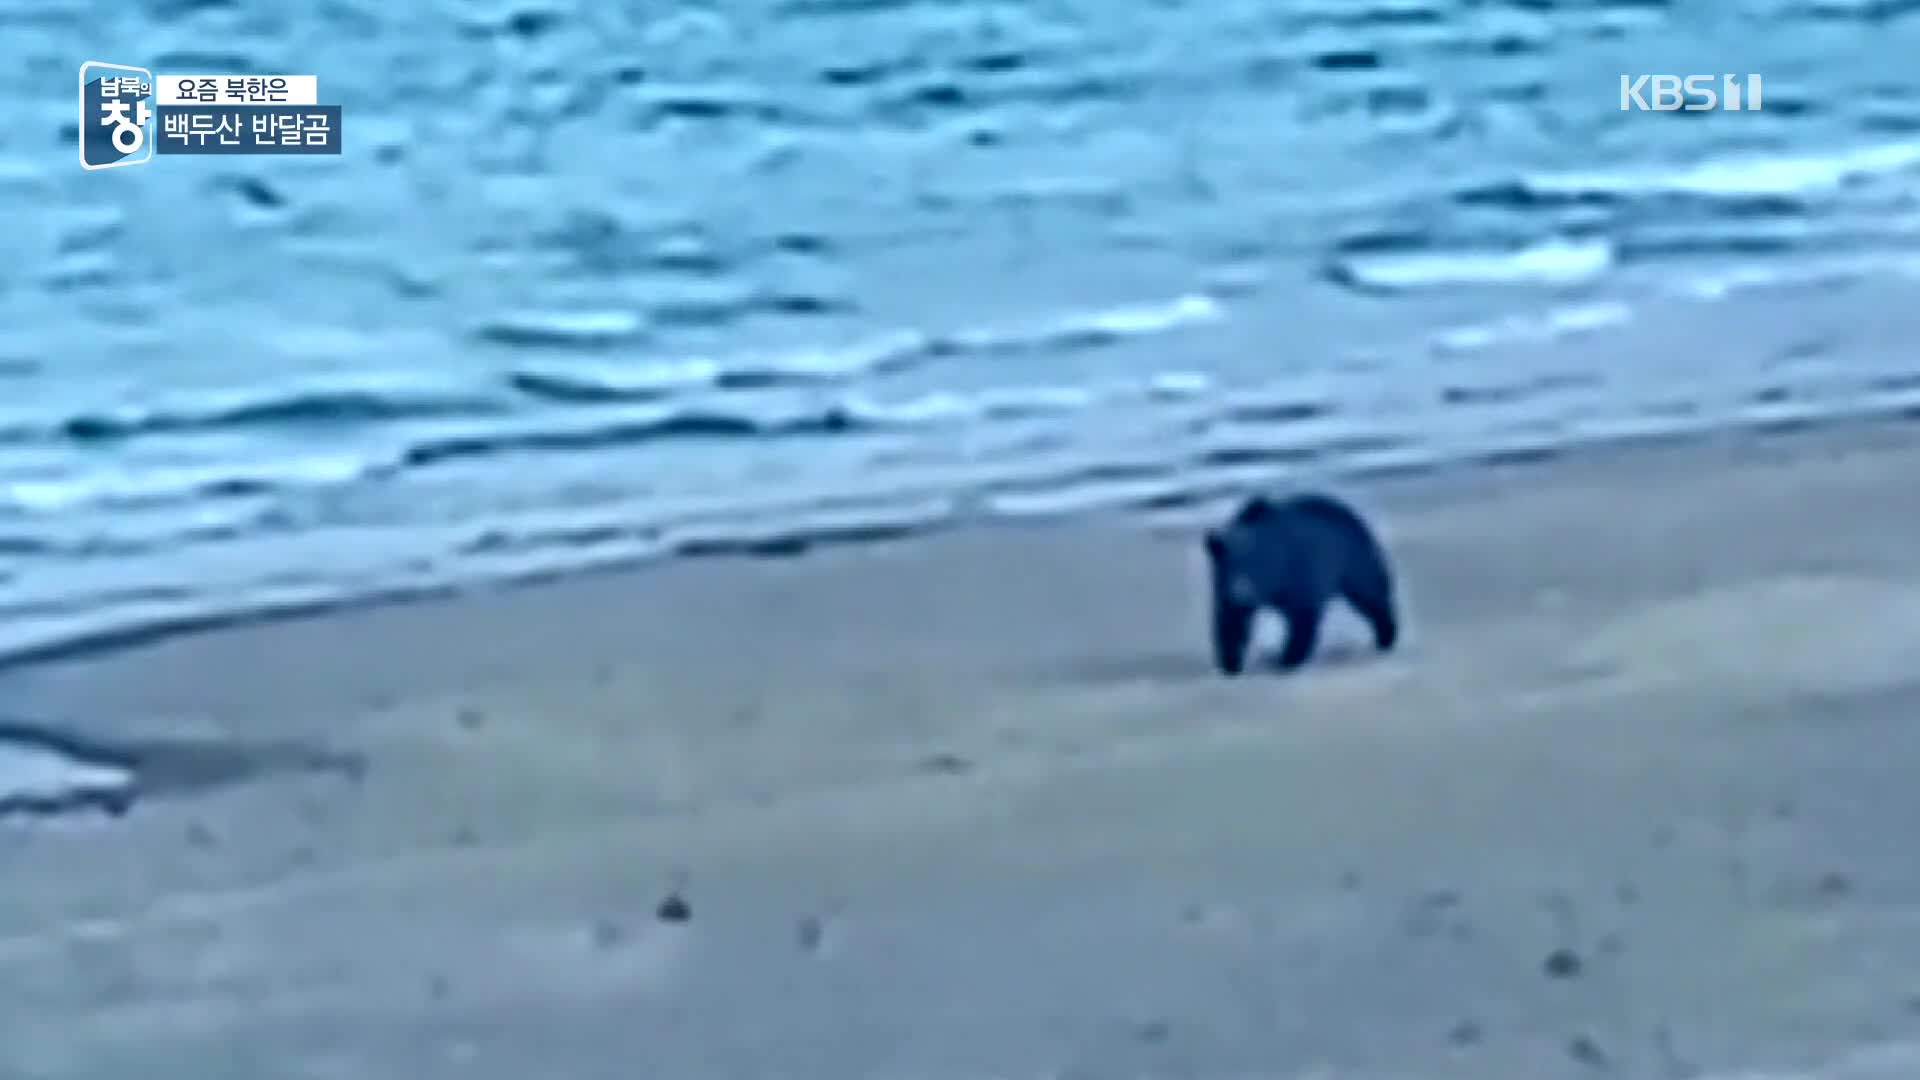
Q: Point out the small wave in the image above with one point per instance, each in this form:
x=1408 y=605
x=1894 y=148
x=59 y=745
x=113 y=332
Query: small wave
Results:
x=855 y=414
x=278 y=407
x=811 y=8
x=808 y=535
x=1736 y=177
x=1139 y=320
x=1527 y=389
x=657 y=426
x=563 y=329
x=1867 y=11
x=1178 y=385
x=1020 y=402
x=587 y=384
x=1085 y=330
x=739 y=531
x=1552 y=262
x=1284 y=410
x=1520 y=194
x=582 y=387
x=1369 y=15
x=1831 y=271
x=1553 y=325
x=887 y=354
x=133 y=486
x=715 y=103
x=1793 y=237
x=1007 y=404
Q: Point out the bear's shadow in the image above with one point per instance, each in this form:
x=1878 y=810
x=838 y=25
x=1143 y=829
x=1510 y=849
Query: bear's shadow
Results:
x=1195 y=665
x=1333 y=654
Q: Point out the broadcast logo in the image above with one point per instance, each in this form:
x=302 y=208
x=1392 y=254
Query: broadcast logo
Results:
x=116 y=115
x=1689 y=93
x=129 y=114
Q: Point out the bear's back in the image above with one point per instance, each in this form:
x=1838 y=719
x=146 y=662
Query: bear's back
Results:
x=1306 y=545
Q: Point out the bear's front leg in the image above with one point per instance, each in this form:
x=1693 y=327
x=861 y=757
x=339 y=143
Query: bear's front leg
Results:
x=1303 y=633
x=1232 y=630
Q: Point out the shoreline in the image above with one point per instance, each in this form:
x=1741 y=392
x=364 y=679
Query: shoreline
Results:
x=976 y=806
x=1888 y=421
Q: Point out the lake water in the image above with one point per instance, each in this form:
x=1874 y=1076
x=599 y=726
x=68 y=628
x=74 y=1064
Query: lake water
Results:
x=589 y=284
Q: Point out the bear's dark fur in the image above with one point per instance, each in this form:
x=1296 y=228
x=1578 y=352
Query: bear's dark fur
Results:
x=1295 y=555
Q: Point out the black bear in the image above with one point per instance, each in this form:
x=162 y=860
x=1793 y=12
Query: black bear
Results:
x=1295 y=555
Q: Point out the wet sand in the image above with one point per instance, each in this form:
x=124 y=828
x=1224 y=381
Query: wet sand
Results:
x=1635 y=798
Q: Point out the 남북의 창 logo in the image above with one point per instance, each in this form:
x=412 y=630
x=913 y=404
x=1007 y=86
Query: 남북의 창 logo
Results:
x=129 y=114
x=116 y=115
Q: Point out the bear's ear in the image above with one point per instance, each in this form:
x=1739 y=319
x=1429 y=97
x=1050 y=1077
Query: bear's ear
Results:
x=1254 y=510
x=1216 y=546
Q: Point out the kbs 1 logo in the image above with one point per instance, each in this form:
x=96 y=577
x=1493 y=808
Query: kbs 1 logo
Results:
x=1689 y=93
x=129 y=114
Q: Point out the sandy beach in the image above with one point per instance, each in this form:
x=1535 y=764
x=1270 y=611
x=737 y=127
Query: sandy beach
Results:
x=1635 y=798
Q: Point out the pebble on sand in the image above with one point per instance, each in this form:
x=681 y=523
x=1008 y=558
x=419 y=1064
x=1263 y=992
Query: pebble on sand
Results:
x=945 y=764
x=607 y=934
x=674 y=909
x=811 y=932
x=1153 y=1032
x=1587 y=1052
x=1563 y=964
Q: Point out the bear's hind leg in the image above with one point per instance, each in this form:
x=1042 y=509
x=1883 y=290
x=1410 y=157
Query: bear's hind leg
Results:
x=1303 y=633
x=1377 y=609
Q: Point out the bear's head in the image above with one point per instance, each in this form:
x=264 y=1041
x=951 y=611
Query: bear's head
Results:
x=1227 y=557
x=1236 y=591
x=1231 y=550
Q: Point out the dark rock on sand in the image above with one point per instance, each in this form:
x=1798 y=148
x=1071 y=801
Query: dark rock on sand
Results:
x=1438 y=913
x=1672 y=1062
x=811 y=932
x=1153 y=1032
x=674 y=909
x=1587 y=1052
x=1563 y=964
x=945 y=764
